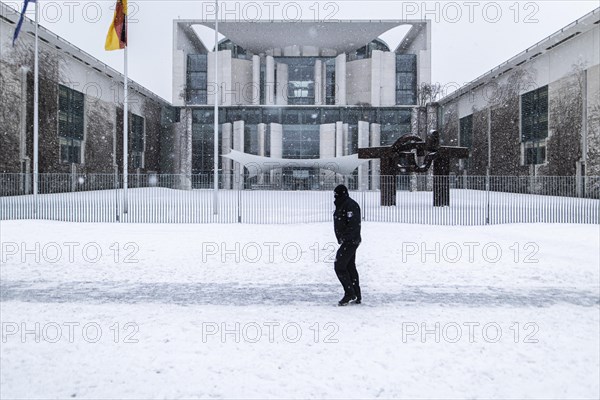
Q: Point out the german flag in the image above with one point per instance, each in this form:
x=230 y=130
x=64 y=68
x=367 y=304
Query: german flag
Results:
x=116 y=39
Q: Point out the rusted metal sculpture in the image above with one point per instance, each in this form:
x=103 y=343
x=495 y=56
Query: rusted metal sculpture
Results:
x=401 y=158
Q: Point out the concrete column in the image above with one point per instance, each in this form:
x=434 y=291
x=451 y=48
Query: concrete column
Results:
x=345 y=147
x=269 y=81
x=345 y=139
x=179 y=77
x=255 y=81
x=226 y=87
x=226 y=163
x=363 y=169
x=318 y=83
x=327 y=148
x=340 y=80
x=238 y=144
x=281 y=86
x=375 y=164
x=184 y=162
x=323 y=83
x=418 y=119
x=376 y=78
x=340 y=143
x=261 y=131
x=388 y=75
x=432 y=116
x=276 y=151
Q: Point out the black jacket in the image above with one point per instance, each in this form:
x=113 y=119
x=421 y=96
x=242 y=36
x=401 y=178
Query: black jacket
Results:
x=346 y=221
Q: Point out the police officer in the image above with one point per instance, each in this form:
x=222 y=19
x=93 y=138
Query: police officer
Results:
x=346 y=224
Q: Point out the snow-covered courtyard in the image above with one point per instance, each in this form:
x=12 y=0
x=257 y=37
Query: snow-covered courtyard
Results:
x=250 y=311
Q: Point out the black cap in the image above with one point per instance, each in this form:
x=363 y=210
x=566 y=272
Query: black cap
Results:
x=341 y=191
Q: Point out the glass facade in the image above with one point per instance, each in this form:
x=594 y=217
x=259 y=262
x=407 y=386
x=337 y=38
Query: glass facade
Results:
x=197 y=67
x=203 y=141
x=465 y=138
x=534 y=125
x=466 y=131
x=330 y=81
x=70 y=124
x=136 y=137
x=300 y=141
x=300 y=88
x=367 y=51
x=301 y=128
x=236 y=51
x=301 y=79
x=394 y=123
x=406 y=79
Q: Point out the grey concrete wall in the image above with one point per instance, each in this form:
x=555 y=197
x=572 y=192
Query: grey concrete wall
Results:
x=363 y=141
x=340 y=80
x=226 y=146
x=592 y=136
x=225 y=78
x=375 y=164
x=358 y=81
x=242 y=82
x=238 y=144
x=281 y=86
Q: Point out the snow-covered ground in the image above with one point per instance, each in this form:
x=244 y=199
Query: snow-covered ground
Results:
x=249 y=311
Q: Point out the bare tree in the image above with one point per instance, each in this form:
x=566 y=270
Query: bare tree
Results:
x=428 y=93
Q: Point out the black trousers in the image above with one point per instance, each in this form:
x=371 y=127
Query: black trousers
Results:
x=345 y=269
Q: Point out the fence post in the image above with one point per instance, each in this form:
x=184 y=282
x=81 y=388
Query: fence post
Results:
x=116 y=186
x=487 y=196
x=239 y=206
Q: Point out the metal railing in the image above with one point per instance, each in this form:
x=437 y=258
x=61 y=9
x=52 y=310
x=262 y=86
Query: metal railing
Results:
x=278 y=198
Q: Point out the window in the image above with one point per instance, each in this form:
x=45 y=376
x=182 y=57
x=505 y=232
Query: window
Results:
x=197 y=66
x=367 y=51
x=251 y=139
x=70 y=150
x=330 y=81
x=534 y=125
x=394 y=123
x=70 y=124
x=301 y=79
x=203 y=129
x=236 y=51
x=301 y=141
x=406 y=79
x=466 y=131
x=535 y=154
x=466 y=137
x=136 y=138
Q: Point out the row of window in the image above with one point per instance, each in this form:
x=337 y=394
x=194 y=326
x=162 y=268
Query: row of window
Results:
x=534 y=127
x=301 y=79
x=71 y=129
x=307 y=116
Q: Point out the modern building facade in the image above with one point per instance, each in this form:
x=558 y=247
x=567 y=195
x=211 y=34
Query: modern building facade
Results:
x=310 y=91
x=537 y=114
x=80 y=110
x=305 y=90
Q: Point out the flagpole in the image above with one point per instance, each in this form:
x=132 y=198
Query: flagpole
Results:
x=216 y=115
x=35 y=111
x=125 y=133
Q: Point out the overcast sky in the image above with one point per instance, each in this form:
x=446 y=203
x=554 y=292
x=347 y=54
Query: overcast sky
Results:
x=468 y=37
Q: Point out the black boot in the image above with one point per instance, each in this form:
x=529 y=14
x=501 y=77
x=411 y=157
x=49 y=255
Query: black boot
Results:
x=349 y=296
x=357 y=292
x=346 y=299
